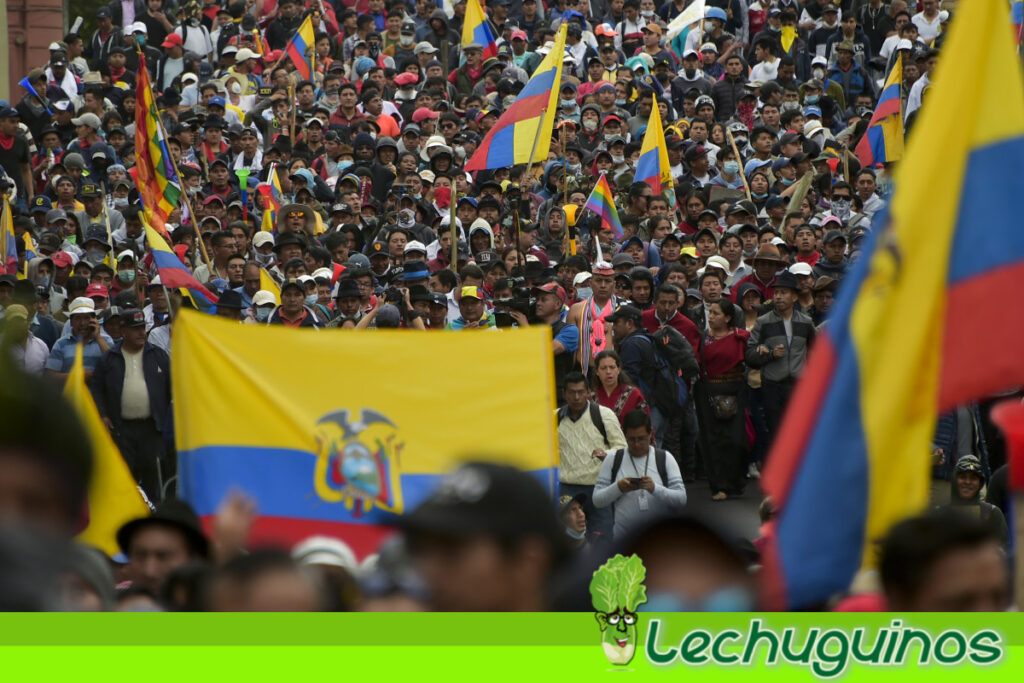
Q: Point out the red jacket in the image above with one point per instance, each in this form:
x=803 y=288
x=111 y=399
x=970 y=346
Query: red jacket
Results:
x=766 y=289
x=680 y=322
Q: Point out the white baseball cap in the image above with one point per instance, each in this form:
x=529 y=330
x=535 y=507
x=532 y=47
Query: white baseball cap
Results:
x=263 y=237
x=415 y=245
x=244 y=54
x=263 y=298
x=801 y=268
x=83 y=305
x=580 y=278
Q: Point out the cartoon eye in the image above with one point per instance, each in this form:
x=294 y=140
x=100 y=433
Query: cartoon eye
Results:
x=613 y=619
x=630 y=619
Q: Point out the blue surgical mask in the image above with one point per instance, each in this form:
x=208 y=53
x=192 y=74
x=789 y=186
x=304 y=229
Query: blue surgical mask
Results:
x=786 y=182
x=263 y=314
x=731 y=167
x=575 y=535
x=759 y=195
x=620 y=103
x=311 y=299
x=44 y=281
x=812 y=99
x=584 y=292
x=568 y=104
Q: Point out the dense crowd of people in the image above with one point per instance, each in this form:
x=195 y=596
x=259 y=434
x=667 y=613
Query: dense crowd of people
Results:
x=339 y=201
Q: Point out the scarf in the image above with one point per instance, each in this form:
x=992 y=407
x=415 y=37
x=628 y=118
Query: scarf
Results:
x=6 y=142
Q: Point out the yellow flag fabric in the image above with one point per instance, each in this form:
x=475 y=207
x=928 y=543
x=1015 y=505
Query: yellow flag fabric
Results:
x=788 y=36
x=267 y=283
x=338 y=432
x=114 y=497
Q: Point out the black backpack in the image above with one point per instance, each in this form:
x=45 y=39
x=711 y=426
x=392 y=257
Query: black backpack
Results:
x=663 y=385
x=677 y=350
x=595 y=417
x=659 y=461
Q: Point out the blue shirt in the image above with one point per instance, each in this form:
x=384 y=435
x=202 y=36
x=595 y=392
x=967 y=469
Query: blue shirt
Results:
x=569 y=336
x=62 y=356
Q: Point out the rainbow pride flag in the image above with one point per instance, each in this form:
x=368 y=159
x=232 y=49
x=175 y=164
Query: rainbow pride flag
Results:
x=602 y=203
x=475 y=29
x=902 y=343
x=155 y=177
x=883 y=140
x=522 y=135
x=300 y=49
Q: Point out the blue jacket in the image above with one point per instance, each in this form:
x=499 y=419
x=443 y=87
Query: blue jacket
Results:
x=108 y=381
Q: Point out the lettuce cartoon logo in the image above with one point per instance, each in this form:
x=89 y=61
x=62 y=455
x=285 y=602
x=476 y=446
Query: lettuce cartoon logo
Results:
x=617 y=590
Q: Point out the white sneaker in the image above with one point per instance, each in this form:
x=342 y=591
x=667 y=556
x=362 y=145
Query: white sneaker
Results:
x=752 y=472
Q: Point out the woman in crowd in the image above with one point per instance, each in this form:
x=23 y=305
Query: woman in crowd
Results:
x=720 y=395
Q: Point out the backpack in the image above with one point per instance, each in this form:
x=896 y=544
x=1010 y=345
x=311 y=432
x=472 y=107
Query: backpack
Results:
x=659 y=461
x=665 y=387
x=676 y=350
x=595 y=417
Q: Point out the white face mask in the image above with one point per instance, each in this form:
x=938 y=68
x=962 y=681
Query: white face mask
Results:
x=123 y=201
x=618 y=160
x=236 y=89
x=590 y=125
x=264 y=259
x=584 y=292
x=407 y=40
x=818 y=73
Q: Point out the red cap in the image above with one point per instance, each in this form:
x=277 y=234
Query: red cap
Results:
x=96 y=289
x=518 y=33
x=423 y=113
x=61 y=259
x=172 y=40
x=610 y=117
x=272 y=56
x=405 y=79
x=552 y=288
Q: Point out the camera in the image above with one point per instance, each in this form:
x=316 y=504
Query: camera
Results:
x=521 y=301
x=393 y=295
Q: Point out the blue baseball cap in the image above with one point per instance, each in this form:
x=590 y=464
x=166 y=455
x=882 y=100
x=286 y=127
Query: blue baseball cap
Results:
x=812 y=110
x=216 y=101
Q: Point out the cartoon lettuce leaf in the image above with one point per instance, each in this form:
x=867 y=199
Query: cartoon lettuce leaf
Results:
x=618 y=583
x=632 y=583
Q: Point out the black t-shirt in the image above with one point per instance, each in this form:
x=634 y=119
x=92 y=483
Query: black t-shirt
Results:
x=12 y=159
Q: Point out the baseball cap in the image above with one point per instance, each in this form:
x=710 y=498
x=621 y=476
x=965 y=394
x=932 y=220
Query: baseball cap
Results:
x=626 y=312
x=580 y=278
x=172 y=40
x=133 y=318
x=801 y=268
x=87 y=119
x=487 y=498
x=83 y=305
x=473 y=292
x=551 y=288
x=96 y=289
x=263 y=298
x=262 y=237
x=16 y=311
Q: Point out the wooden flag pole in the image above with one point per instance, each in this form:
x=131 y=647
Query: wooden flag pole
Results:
x=188 y=204
x=743 y=176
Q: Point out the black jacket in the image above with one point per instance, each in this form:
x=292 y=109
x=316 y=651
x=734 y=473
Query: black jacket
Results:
x=727 y=93
x=108 y=381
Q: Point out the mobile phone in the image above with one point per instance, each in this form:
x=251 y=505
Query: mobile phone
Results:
x=635 y=481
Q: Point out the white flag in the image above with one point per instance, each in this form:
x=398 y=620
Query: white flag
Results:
x=691 y=15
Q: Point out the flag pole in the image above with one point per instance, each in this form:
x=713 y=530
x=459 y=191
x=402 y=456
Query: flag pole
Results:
x=743 y=176
x=167 y=295
x=184 y=193
x=570 y=239
x=454 y=256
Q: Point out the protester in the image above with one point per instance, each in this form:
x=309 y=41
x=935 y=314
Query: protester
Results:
x=333 y=195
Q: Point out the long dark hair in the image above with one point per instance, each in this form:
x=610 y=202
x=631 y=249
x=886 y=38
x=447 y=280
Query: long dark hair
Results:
x=624 y=379
x=728 y=310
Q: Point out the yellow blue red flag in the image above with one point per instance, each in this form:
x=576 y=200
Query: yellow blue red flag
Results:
x=652 y=167
x=343 y=448
x=475 y=29
x=902 y=343
x=522 y=135
x=113 y=497
x=883 y=140
x=300 y=49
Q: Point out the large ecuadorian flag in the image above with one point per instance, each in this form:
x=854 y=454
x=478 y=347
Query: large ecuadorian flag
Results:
x=903 y=342
x=522 y=135
x=337 y=432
